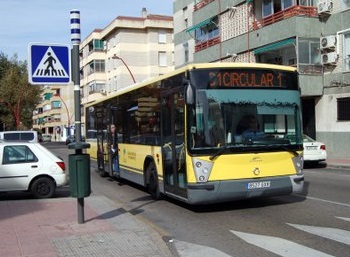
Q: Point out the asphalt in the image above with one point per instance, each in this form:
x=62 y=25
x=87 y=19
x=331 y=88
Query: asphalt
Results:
x=50 y=228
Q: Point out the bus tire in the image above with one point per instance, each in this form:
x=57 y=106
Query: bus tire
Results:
x=152 y=182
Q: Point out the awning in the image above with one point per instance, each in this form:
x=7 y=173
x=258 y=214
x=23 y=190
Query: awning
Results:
x=199 y=25
x=274 y=46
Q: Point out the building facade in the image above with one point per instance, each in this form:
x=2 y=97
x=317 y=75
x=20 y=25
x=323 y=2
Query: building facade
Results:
x=312 y=35
x=127 y=51
x=55 y=114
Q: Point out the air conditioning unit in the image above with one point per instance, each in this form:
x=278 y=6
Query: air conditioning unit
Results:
x=328 y=42
x=329 y=58
x=324 y=7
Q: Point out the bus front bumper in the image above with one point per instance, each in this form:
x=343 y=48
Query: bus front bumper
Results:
x=231 y=190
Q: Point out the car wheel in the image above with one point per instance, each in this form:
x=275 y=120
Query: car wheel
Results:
x=153 y=185
x=43 y=188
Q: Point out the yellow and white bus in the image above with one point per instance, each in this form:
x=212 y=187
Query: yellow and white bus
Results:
x=186 y=134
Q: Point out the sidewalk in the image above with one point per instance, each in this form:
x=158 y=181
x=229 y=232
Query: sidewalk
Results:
x=49 y=228
x=338 y=163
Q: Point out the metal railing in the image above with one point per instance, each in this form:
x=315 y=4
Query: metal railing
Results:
x=203 y=45
x=201 y=4
x=292 y=11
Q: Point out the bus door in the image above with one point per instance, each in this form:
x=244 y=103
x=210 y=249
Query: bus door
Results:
x=102 y=154
x=113 y=129
x=173 y=148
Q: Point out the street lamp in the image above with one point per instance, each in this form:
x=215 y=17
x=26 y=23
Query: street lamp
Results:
x=65 y=105
x=119 y=58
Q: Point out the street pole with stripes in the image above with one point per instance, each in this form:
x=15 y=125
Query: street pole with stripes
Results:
x=79 y=163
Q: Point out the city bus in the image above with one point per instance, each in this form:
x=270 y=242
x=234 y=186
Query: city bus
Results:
x=185 y=134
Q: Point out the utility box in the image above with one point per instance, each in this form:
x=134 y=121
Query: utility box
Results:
x=79 y=175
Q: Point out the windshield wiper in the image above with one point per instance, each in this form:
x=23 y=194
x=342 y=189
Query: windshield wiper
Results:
x=219 y=152
x=283 y=147
x=294 y=152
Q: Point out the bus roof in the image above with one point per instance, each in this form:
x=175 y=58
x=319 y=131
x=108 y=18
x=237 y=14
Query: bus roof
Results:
x=189 y=67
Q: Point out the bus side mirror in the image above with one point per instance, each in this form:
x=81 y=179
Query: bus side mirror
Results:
x=189 y=94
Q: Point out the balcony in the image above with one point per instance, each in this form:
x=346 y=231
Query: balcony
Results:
x=292 y=11
x=201 y=4
x=203 y=45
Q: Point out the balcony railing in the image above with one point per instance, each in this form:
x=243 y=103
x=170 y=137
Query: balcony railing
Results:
x=203 y=45
x=201 y=4
x=285 y=14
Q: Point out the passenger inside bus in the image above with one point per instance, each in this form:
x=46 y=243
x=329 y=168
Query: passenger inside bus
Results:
x=217 y=132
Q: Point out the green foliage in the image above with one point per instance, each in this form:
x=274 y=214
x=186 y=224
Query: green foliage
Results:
x=18 y=98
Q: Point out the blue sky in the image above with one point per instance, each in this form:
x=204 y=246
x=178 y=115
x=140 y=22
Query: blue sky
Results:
x=48 y=21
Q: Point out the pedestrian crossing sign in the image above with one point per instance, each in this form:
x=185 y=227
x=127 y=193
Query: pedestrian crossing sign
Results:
x=49 y=64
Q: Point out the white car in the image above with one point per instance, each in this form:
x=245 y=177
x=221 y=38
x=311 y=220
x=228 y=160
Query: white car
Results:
x=314 y=151
x=46 y=138
x=26 y=166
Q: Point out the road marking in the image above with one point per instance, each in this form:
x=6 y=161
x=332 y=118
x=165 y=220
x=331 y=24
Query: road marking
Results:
x=327 y=201
x=279 y=246
x=335 y=234
x=186 y=249
x=343 y=218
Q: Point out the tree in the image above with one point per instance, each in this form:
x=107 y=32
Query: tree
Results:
x=18 y=98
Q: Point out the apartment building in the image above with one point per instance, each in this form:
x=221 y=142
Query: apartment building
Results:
x=312 y=35
x=127 y=51
x=55 y=113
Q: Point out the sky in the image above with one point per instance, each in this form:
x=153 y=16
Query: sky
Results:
x=48 y=21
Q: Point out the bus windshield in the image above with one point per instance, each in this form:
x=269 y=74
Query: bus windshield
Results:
x=245 y=119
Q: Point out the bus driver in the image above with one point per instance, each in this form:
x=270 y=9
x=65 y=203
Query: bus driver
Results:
x=249 y=128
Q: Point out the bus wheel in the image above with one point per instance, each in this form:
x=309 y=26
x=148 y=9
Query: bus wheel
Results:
x=152 y=184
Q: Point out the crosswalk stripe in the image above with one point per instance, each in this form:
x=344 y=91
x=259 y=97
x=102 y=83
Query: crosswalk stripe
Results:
x=327 y=201
x=279 y=246
x=186 y=249
x=50 y=73
x=343 y=218
x=335 y=234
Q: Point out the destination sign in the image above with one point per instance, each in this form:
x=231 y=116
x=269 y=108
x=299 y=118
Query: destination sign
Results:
x=245 y=78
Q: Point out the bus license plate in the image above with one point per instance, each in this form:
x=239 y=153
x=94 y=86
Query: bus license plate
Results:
x=261 y=184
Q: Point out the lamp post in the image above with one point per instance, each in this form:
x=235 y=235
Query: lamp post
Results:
x=119 y=58
x=68 y=116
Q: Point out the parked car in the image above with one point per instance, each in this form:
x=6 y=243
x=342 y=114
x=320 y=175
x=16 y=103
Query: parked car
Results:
x=29 y=135
x=314 y=151
x=45 y=138
x=26 y=166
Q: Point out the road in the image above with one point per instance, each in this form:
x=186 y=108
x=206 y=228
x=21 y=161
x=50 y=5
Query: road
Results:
x=315 y=223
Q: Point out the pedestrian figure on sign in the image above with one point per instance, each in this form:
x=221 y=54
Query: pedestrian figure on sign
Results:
x=50 y=61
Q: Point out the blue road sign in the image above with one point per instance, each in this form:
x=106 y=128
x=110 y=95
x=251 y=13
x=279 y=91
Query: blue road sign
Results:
x=49 y=64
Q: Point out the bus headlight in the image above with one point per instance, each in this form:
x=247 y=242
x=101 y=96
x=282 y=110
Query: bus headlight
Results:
x=202 y=169
x=298 y=162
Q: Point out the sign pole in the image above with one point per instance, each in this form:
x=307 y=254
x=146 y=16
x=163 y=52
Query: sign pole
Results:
x=75 y=40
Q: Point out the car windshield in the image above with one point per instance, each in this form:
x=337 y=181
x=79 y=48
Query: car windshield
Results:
x=244 y=119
